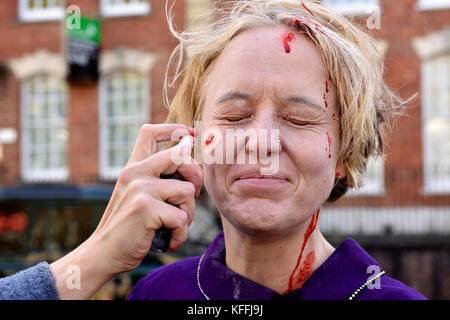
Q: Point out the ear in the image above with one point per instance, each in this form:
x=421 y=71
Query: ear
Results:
x=341 y=170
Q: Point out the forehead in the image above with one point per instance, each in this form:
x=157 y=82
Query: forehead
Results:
x=259 y=55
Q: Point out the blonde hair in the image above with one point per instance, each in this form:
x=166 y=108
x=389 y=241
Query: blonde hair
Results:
x=354 y=64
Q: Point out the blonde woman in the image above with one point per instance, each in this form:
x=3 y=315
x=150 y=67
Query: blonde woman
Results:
x=295 y=69
x=305 y=88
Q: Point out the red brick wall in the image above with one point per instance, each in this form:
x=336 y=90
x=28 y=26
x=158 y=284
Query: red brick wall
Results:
x=149 y=33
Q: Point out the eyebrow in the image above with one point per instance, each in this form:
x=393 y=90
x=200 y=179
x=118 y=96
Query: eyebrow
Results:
x=233 y=95
x=237 y=95
x=302 y=100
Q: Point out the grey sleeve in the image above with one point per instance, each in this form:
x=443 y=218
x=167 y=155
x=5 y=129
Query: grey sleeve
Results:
x=35 y=283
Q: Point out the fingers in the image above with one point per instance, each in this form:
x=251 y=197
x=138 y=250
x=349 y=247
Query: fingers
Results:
x=174 y=207
x=177 y=193
x=150 y=134
x=176 y=220
x=163 y=163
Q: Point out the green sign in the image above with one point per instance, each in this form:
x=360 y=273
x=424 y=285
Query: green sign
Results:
x=83 y=29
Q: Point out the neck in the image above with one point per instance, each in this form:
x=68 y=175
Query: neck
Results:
x=282 y=264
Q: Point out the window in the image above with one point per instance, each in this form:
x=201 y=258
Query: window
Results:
x=41 y=10
x=44 y=130
x=120 y=8
x=436 y=113
x=433 y=4
x=123 y=110
x=354 y=7
x=373 y=180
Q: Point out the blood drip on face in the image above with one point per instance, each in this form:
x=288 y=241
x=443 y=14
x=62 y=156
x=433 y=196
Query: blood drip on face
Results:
x=311 y=227
x=287 y=38
x=325 y=98
x=329 y=145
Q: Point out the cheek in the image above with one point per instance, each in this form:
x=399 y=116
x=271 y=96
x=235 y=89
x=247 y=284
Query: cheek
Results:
x=208 y=177
x=312 y=155
x=214 y=181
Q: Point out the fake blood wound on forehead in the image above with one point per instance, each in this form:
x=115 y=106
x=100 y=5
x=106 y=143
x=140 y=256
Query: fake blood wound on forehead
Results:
x=287 y=38
x=311 y=227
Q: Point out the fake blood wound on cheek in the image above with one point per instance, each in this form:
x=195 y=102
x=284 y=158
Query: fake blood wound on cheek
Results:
x=296 y=281
x=209 y=140
x=287 y=37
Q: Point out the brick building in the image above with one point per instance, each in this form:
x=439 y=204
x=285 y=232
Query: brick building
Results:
x=66 y=141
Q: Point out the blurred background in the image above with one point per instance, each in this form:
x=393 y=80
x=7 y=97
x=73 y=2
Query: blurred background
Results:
x=79 y=77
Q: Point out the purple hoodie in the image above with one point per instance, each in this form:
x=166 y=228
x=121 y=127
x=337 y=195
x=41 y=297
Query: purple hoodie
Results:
x=343 y=275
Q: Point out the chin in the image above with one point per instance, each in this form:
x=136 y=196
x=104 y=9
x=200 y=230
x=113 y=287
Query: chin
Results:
x=259 y=218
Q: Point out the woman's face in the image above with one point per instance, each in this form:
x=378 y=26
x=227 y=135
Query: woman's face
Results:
x=266 y=80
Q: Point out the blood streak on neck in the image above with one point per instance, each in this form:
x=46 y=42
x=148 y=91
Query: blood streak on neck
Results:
x=311 y=227
x=287 y=38
x=305 y=270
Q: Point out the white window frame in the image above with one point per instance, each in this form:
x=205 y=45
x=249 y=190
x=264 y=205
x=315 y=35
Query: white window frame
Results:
x=108 y=173
x=45 y=14
x=135 y=8
x=354 y=10
x=372 y=187
x=29 y=175
x=432 y=185
x=424 y=5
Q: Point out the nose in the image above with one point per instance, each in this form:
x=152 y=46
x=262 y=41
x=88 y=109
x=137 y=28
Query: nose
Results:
x=265 y=140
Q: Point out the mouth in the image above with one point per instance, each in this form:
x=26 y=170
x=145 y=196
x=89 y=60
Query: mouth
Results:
x=262 y=177
x=258 y=176
x=251 y=182
x=256 y=180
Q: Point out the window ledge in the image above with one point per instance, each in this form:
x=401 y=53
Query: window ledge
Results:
x=43 y=15
x=375 y=191
x=423 y=5
x=435 y=189
x=46 y=176
x=110 y=175
x=138 y=9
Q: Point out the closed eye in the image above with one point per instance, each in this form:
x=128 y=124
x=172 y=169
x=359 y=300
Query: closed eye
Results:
x=235 y=120
x=297 y=123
